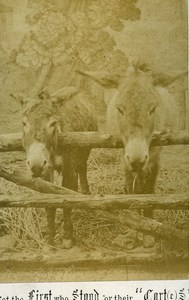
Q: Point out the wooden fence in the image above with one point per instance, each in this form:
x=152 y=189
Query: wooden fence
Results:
x=13 y=141
x=61 y=197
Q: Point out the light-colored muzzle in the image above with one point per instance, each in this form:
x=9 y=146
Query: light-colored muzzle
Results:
x=38 y=159
x=136 y=154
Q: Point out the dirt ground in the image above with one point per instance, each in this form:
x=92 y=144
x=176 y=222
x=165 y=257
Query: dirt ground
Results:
x=120 y=273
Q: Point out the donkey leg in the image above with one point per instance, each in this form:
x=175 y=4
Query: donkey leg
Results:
x=70 y=181
x=151 y=176
x=82 y=170
x=50 y=213
x=136 y=184
x=149 y=188
x=70 y=177
x=51 y=225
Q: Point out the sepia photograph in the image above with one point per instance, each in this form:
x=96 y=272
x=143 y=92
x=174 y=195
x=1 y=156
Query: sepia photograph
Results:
x=94 y=141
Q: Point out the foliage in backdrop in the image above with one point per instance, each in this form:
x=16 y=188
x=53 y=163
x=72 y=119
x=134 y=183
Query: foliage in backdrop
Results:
x=72 y=34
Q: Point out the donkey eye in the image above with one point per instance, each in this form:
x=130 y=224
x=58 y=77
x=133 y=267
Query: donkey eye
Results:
x=152 y=110
x=120 y=110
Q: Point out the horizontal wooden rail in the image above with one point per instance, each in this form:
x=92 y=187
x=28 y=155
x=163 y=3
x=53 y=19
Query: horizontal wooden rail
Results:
x=13 y=141
x=108 y=202
x=86 y=259
x=96 y=140
x=131 y=219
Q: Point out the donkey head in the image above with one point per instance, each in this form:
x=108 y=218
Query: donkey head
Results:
x=134 y=109
x=40 y=129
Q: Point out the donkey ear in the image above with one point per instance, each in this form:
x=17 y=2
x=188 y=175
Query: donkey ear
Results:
x=64 y=94
x=20 y=98
x=105 y=79
x=165 y=80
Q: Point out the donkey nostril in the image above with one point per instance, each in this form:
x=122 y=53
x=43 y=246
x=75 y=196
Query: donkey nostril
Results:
x=45 y=162
x=36 y=171
x=28 y=162
x=137 y=165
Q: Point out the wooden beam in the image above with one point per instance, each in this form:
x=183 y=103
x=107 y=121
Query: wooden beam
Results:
x=13 y=141
x=36 y=184
x=86 y=259
x=96 y=140
x=108 y=202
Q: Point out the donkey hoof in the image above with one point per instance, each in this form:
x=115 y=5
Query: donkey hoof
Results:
x=67 y=243
x=148 y=241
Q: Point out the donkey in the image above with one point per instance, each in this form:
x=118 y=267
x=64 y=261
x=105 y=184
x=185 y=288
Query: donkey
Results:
x=139 y=106
x=44 y=116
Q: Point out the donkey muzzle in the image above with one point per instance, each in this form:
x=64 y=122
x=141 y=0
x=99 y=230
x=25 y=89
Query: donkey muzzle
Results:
x=138 y=165
x=37 y=160
x=136 y=155
x=37 y=170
